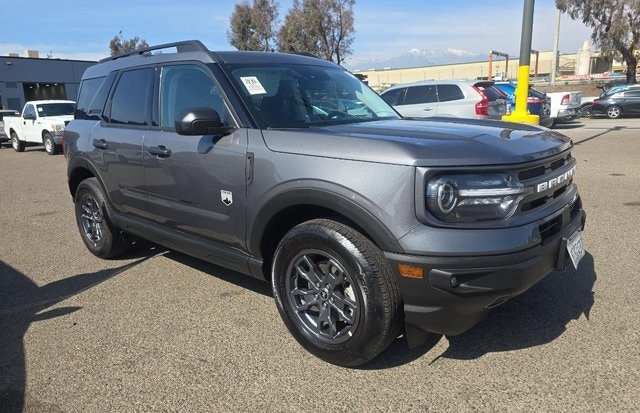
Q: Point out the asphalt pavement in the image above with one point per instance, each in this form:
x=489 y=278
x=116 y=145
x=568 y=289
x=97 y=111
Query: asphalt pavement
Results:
x=159 y=331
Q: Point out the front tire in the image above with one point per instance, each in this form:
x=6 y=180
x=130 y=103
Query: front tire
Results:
x=102 y=238
x=17 y=144
x=49 y=144
x=335 y=292
x=614 y=112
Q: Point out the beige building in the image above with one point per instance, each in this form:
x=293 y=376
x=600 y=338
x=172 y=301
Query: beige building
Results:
x=381 y=79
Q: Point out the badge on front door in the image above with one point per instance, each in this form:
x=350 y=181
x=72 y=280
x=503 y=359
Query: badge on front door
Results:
x=226 y=197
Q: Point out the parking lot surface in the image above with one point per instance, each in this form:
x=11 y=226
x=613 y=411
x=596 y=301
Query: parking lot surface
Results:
x=159 y=331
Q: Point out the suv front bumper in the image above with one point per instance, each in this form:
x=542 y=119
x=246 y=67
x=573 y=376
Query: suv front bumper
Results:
x=455 y=293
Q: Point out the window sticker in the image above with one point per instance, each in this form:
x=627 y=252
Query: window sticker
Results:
x=253 y=85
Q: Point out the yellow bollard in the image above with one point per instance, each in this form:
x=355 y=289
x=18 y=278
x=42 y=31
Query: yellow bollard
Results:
x=521 y=114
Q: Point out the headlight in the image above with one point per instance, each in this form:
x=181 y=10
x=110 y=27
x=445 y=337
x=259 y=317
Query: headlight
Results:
x=57 y=128
x=472 y=198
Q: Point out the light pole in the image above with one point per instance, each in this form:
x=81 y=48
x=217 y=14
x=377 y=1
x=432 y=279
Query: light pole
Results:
x=521 y=114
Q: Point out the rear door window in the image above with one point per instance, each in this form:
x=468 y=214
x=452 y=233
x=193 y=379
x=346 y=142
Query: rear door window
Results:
x=447 y=93
x=420 y=94
x=130 y=100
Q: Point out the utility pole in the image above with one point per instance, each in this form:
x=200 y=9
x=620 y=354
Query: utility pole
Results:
x=554 y=60
x=521 y=114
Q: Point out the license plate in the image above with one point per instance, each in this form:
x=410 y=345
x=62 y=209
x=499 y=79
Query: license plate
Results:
x=575 y=247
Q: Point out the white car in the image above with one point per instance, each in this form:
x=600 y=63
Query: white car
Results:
x=459 y=98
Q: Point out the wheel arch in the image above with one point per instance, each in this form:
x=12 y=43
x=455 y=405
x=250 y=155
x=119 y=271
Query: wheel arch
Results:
x=79 y=170
x=294 y=207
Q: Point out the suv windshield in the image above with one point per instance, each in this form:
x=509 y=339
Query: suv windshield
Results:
x=299 y=96
x=56 y=109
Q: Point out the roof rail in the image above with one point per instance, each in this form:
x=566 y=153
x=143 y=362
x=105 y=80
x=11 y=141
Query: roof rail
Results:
x=181 y=47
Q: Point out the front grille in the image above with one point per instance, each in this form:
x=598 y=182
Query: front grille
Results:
x=540 y=170
x=545 y=173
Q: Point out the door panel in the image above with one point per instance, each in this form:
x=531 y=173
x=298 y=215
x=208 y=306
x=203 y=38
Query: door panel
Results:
x=196 y=184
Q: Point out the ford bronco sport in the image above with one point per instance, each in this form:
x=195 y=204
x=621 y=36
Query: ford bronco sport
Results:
x=289 y=169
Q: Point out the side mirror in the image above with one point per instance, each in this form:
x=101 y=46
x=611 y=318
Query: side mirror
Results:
x=201 y=121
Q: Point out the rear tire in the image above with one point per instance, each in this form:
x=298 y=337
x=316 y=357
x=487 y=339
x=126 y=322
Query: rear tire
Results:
x=17 y=144
x=335 y=292
x=49 y=144
x=100 y=236
x=614 y=112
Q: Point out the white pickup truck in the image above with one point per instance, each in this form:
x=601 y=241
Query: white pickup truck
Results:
x=564 y=106
x=41 y=122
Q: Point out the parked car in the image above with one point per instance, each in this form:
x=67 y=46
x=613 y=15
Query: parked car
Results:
x=459 y=98
x=364 y=223
x=620 y=103
x=565 y=106
x=587 y=102
x=41 y=123
x=5 y=112
x=538 y=103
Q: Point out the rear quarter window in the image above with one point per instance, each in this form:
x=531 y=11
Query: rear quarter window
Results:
x=447 y=93
x=88 y=90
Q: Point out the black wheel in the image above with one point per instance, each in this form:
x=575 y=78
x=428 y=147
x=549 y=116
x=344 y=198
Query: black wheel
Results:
x=614 y=112
x=585 y=110
x=17 y=144
x=335 y=292
x=101 y=237
x=49 y=144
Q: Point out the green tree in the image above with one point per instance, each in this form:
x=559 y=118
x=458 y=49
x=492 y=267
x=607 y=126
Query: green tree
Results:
x=615 y=24
x=118 y=45
x=320 y=27
x=254 y=27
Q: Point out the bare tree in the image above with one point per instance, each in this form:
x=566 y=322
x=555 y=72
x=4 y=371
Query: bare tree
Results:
x=118 y=45
x=321 y=27
x=615 y=24
x=254 y=27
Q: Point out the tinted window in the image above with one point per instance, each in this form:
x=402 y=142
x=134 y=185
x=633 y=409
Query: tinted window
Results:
x=88 y=89
x=420 y=94
x=632 y=94
x=491 y=92
x=97 y=105
x=56 y=109
x=395 y=96
x=448 y=93
x=188 y=86
x=536 y=93
x=129 y=101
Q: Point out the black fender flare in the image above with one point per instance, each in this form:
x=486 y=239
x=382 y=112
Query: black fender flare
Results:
x=329 y=200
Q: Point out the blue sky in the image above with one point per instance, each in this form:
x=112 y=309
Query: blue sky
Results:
x=81 y=30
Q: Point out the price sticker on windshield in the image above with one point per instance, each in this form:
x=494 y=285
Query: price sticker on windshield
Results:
x=253 y=85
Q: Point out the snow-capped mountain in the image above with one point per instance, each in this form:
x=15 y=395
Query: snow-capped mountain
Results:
x=415 y=58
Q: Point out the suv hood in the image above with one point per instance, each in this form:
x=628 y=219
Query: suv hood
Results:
x=429 y=142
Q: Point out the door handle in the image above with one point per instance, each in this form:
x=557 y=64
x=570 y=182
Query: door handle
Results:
x=427 y=109
x=100 y=144
x=159 y=150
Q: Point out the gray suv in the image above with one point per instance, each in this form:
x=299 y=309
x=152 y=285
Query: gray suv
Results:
x=289 y=169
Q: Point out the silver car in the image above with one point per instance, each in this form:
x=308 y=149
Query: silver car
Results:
x=459 y=98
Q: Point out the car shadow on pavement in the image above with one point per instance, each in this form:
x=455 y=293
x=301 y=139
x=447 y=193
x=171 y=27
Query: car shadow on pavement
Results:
x=23 y=302
x=537 y=316
x=230 y=276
